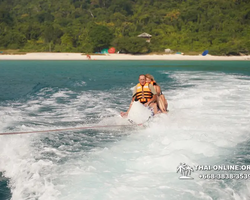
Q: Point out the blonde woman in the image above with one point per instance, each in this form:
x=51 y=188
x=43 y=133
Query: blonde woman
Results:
x=161 y=100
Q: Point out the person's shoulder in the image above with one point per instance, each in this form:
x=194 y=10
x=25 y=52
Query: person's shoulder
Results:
x=133 y=88
x=151 y=87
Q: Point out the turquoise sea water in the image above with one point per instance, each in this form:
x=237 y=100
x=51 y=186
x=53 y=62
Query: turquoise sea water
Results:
x=208 y=123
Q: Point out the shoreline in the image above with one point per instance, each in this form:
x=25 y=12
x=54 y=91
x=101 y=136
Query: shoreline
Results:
x=80 y=56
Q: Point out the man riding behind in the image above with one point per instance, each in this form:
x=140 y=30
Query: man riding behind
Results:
x=145 y=94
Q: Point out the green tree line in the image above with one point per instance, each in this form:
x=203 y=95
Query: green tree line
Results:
x=221 y=26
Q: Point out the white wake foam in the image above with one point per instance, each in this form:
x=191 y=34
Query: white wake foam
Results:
x=208 y=118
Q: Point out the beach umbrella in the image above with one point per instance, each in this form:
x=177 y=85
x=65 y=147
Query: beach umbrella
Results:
x=111 y=50
x=205 y=53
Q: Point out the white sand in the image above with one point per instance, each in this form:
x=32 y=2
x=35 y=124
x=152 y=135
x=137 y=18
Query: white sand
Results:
x=79 y=56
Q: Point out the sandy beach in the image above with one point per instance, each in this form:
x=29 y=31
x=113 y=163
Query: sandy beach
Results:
x=79 y=56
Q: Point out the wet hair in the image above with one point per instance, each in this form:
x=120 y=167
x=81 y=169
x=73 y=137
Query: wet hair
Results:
x=150 y=77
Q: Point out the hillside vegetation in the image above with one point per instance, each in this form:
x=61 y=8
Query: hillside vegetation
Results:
x=221 y=26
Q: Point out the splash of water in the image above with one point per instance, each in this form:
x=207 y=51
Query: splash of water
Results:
x=207 y=120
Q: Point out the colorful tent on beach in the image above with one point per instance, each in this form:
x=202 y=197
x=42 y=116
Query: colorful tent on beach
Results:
x=104 y=51
x=111 y=50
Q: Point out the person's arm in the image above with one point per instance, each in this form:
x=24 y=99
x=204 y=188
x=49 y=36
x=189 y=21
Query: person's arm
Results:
x=154 y=99
x=158 y=90
x=133 y=99
x=123 y=114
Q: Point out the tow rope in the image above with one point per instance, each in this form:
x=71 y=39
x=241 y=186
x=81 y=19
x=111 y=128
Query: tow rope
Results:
x=68 y=129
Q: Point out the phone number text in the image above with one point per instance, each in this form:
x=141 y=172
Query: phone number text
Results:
x=225 y=176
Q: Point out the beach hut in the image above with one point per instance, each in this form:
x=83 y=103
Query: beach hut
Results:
x=145 y=35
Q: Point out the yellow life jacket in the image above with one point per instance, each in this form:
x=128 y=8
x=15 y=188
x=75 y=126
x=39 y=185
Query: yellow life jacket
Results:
x=143 y=93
